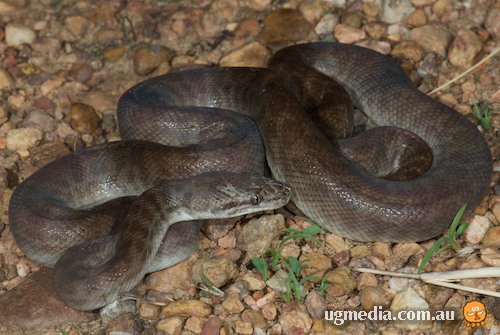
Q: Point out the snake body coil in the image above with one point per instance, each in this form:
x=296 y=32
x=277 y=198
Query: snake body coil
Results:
x=195 y=111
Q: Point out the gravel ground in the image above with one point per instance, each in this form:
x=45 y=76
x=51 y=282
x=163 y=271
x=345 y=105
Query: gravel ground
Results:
x=64 y=66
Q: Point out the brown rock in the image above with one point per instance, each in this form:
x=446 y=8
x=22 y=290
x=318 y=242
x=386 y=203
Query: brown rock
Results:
x=212 y=326
x=366 y=279
x=81 y=72
x=253 y=54
x=381 y=249
x=408 y=50
x=149 y=311
x=490 y=256
x=406 y=250
x=464 y=48
x=173 y=280
x=232 y=303
x=348 y=34
x=125 y=323
x=259 y=233
x=376 y=30
x=373 y=296
x=360 y=250
x=170 y=326
x=269 y=311
x=35 y=305
x=195 y=324
x=83 y=118
x=295 y=316
x=186 y=308
x=77 y=25
x=433 y=38
x=113 y=54
x=219 y=270
x=242 y=327
x=148 y=58
x=316 y=304
x=6 y=80
x=316 y=264
x=417 y=18
x=340 y=282
x=254 y=317
x=276 y=28
x=371 y=9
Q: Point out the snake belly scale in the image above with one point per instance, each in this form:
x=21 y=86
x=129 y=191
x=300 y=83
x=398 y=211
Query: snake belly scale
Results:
x=210 y=116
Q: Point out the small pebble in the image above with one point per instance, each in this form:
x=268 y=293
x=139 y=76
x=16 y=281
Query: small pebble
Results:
x=16 y=34
x=253 y=54
x=410 y=300
x=195 y=324
x=372 y=296
x=148 y=58
x=83 y=118
x=232 y=303
x=464 y=48
x=21 y=139
x=212 y=326
x=393 y=12
x=186 y=308
x=254 y=317
x=244 y=328
x=417 y=19
x=218 y=270
x=491 y=238
x=276 y=28
x=433 y=38
x=295 y=315
x=348 y=34
x=6 y=80
x=259 y=233
x=340 y=282
x=171 y=325
x=269 y=311
x=326 y=24
x=22 y=269
x=477 y=229
x=316 y=304
x=316 y=264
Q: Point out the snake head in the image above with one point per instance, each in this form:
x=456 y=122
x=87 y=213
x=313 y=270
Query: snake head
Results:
x=240 y=194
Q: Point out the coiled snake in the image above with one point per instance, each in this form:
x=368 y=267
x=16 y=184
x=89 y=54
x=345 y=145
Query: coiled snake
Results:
x=51 y=211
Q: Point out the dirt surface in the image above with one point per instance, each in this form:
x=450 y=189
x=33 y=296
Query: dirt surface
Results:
x=64 y=64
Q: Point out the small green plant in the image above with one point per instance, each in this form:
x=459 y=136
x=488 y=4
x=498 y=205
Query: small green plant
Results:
x=483 y=115
x=449 y=240
x=262 y=266
x=322 y=286
x=309 y=233
x=63 y=332
x=293 y=284
x=293 y=266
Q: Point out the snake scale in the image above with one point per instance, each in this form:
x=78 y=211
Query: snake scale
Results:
x=111 y=204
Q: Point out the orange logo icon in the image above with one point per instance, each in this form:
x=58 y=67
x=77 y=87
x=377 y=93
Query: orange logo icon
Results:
x=474 y=314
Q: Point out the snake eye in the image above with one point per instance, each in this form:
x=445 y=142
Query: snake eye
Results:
x=256 y=199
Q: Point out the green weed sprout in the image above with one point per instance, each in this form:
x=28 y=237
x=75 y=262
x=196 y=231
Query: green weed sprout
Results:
x=483 y=115
x=450 y=238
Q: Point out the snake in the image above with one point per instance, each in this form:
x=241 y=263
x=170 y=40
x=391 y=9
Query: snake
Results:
x=195 y=144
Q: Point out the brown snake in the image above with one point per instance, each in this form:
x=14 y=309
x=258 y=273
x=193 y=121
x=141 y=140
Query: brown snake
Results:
x=49 y=212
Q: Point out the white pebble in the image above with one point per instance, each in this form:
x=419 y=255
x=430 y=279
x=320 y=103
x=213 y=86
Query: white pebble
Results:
x=16 y=35
x=22 y=269
x=477 y=228
x=22 y=139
